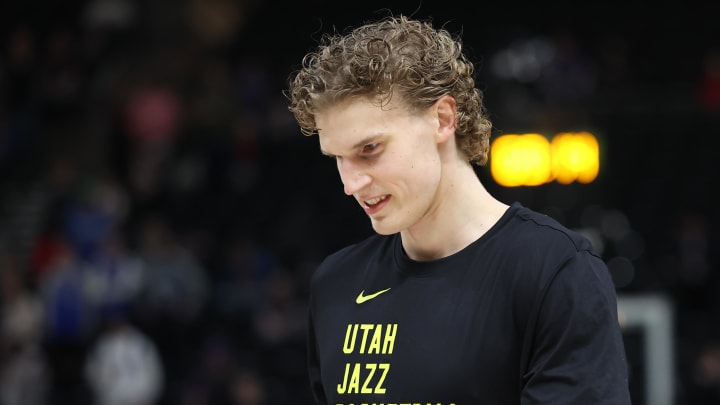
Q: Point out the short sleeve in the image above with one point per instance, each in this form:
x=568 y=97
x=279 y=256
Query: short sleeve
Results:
x=577 y=352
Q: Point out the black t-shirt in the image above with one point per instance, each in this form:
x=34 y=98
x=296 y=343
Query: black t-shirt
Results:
x=526 y=314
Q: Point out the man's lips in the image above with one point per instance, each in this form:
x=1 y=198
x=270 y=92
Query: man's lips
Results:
x=374 y=203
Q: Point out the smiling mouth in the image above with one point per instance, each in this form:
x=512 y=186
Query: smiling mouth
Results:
x=375 y=201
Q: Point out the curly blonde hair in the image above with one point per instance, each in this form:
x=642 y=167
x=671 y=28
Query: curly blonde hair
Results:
x=393 y=55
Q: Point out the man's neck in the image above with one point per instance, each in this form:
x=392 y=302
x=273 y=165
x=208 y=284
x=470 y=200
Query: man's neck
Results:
x=462 y=213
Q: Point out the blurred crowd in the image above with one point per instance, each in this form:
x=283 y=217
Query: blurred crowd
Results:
x=161 y=214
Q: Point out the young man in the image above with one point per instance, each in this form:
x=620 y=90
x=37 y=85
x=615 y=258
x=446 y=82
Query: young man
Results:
x=459 y=299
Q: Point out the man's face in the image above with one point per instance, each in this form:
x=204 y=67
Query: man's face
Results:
x=387 y=159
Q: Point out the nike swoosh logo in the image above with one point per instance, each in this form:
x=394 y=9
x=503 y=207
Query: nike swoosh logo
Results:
x=362 y=298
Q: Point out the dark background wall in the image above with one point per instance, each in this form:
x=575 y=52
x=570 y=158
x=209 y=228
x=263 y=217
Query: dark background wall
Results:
x=150 y=172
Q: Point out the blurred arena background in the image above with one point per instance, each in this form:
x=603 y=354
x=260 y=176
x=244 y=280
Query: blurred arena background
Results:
x=160 y=212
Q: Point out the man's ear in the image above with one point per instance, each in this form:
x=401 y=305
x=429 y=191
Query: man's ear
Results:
x=446 y=110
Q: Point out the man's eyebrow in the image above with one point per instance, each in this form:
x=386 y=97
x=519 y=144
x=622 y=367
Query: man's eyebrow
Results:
x=365 y=141
x=357 y=145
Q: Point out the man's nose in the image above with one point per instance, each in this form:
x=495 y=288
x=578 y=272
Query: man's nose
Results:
x=352 y=176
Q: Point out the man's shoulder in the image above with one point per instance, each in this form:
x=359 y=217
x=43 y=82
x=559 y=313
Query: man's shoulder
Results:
x=370 y=243
x=357 y=254
x=537 y=229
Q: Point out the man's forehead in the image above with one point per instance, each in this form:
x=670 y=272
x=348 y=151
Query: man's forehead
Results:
x=349 y=125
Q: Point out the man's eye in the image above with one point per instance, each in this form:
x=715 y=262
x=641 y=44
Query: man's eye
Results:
x=369 y=147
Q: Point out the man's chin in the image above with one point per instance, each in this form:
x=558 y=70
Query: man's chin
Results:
x=383 y=229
